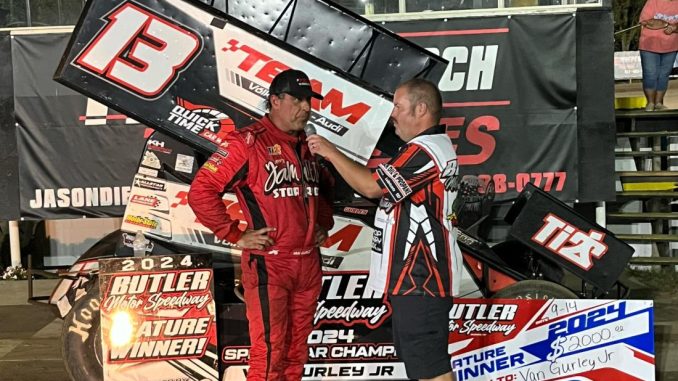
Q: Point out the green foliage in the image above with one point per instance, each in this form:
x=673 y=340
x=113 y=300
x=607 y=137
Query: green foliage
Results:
x=662 y=280
x=626 y=14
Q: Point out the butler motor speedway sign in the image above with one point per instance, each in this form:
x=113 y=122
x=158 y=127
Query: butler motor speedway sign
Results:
x=158 y=317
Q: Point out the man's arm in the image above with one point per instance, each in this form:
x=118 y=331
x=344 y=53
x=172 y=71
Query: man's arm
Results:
x=356 y=175
x=221 y=171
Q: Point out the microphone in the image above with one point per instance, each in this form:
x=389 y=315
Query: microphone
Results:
x=310 y=130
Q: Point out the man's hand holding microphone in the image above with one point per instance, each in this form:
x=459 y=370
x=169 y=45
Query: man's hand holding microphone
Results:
x=319 y=145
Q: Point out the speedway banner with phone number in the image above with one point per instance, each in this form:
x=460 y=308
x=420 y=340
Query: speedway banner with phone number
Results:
x=509 y=97
x=151 y=58
x=499 y=340
x=158 y=318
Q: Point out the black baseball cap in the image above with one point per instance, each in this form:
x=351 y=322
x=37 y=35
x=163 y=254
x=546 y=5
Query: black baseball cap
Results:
x=295 y=83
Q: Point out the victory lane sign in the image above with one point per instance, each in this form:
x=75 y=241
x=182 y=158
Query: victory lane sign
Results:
x=158 y=317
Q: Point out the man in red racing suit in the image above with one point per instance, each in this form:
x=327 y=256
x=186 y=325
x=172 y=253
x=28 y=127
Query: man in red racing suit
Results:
x=278 y=185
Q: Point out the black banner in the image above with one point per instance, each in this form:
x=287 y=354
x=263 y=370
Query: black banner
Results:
x=511 y=100
x=76 y=158
x=9 y=176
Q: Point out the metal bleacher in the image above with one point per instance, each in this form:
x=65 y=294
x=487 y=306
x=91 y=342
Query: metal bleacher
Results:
x=645 y=213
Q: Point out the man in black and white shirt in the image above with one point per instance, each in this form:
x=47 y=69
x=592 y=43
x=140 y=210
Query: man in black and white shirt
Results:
x=415 y=257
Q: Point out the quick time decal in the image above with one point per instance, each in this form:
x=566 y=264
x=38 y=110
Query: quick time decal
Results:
x=79 y=197
x=571 y=243
x=202 y=120
x=139 y=50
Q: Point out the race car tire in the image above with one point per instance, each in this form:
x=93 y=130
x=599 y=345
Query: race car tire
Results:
x=535 y=289
x=81 y=338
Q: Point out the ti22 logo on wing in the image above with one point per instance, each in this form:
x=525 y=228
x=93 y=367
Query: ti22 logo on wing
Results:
x=139 y=50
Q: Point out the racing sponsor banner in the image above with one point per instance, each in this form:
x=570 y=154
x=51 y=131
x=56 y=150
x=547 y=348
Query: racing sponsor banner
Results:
x=510 y=99
x=351 y=340
x=9 y=176
x=75 y=157
x=525 y=340
x=206 y=58
x=501 y=339
x=158 y=318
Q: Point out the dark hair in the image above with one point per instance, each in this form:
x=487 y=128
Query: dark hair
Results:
x=268 y=100
x=423 y=91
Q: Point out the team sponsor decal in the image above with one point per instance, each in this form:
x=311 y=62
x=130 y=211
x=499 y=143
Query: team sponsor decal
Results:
x=202 y=120
x=254 y=61
x=450 y=176
x=569 y=242
x=158 y=146
x=184 y=163
x=151 y=160
x=79 y=197
x=174 y=219
x=158 y=310
x=353 y=210
x=330 y=261
x=284 y=179
x=394 y=182
x=551 y=339
x=149 y=184
x=246 y=66
x=378 y=240
x=151 y=201
x=274 y=150
x=211 y=166
x=142 y=221
x=139 y=51
x=147 y=171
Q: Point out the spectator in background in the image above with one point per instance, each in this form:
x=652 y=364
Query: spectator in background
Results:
x=658 y=46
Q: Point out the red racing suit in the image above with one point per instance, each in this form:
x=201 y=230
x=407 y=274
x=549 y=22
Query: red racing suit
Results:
x=278 y=184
